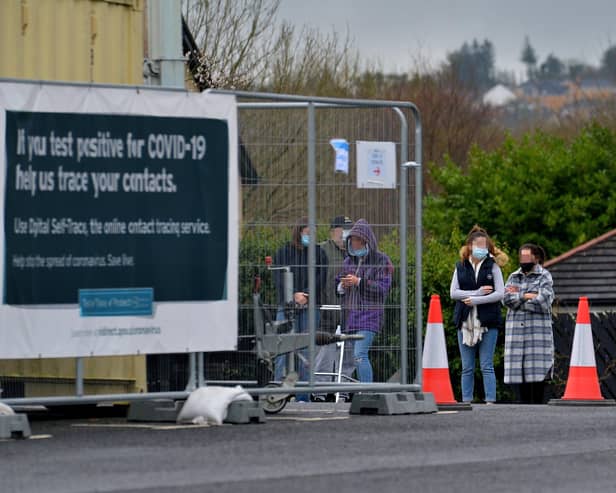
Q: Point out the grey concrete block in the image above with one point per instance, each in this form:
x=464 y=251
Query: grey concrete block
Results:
x=458 y=406
x=388 y=403
x=243 y=412
x=582 y=403
x=154 y=410
x=14 y=426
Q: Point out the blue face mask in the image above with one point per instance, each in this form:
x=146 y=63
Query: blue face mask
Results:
x=360 y=252
x=306 y=240
x=480 y=253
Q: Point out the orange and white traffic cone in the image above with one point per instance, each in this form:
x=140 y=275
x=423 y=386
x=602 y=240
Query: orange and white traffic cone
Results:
x=583 y=382
x=435 y=365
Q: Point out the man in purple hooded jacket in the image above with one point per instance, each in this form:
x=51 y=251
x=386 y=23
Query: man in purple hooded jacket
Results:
x=364 y=282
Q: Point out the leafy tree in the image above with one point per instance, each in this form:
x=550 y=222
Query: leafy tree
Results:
x=576 y=70
x=552 y=68
x=539 y=188
x=608 y=62
x=473 y=64
x=529 y=58
x=506 y=77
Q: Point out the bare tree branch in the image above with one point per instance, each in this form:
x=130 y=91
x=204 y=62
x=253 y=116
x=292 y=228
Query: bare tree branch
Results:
x=236 y=38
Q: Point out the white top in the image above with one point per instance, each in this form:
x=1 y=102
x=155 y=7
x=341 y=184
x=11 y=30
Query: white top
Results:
x=476 y=296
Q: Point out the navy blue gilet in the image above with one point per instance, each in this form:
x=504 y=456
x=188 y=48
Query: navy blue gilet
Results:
x=489 y=314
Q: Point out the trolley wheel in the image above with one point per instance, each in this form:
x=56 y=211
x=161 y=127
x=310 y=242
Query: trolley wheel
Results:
x=274 y=403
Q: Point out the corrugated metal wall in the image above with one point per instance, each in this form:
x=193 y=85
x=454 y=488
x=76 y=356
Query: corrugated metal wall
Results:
x=98 y=41
x=73 y=40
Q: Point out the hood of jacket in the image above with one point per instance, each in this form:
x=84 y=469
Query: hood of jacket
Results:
x=361 y=229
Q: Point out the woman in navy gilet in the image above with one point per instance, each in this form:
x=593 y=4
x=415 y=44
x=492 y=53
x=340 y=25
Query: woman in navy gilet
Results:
x=477 y=288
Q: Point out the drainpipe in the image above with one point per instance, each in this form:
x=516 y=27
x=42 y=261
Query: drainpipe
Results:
x=164 y=65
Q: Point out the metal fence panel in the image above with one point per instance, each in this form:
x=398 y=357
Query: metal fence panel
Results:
x=279 y=144
x=276 y=141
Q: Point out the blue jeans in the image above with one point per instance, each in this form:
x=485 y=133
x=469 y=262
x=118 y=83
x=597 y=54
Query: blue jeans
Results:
x=360 y=353
x=486 y=348
x=301 y=367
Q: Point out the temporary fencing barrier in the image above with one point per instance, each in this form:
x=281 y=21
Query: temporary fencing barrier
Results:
x=278 y=137
x=288 y=170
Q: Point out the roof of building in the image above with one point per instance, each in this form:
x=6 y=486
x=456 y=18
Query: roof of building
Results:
x=597 y=84
x=499 y=95
x=587 y=270
x=544 y=87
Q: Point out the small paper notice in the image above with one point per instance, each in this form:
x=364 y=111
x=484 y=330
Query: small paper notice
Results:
x=341 y=147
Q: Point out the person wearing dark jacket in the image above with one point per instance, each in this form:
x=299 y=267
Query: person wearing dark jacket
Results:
x=364 y=283
x=294 y=254
x=326 y=361
x=477 y=288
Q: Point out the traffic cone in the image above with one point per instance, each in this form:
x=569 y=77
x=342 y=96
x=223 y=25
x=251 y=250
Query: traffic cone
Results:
x=435 y=366
x=582 y=382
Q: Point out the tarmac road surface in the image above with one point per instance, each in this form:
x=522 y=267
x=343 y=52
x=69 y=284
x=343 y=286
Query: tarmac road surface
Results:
x=320 y=447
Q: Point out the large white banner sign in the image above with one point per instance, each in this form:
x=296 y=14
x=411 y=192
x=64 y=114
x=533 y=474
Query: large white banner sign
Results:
x=120 y=221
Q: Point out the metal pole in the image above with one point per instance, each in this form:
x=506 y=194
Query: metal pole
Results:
x=192 y=370
x=325 y=387
x=200 y=369
x=403 y=247
x=418 y=247
x=312 y=213
x=370 y=103
x=418 y=244
x=79 y=377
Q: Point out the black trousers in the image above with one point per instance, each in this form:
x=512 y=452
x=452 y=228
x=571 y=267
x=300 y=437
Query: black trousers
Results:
x=529 y=392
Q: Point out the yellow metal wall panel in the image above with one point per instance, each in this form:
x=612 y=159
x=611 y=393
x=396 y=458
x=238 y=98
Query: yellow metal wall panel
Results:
x=83 y=41
x=10 y=29
x=74 y=40
x=127 y=371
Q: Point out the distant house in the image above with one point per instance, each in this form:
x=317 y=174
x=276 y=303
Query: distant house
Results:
x=499 y=95
x=565 y=97
x=587 y=270
x=548 y=94
x=596 y=85
x=544 y=87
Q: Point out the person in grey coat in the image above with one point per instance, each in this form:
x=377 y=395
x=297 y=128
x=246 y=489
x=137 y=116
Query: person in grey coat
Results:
x=327 y=358
x=529 y=342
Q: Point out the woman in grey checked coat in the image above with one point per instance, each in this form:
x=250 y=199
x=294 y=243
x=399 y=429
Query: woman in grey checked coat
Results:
x=529 y=343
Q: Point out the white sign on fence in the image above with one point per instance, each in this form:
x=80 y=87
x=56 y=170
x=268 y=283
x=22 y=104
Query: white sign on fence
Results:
x=376 y=164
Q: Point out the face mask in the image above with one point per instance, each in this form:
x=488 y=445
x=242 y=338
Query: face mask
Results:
x=360 y=252
x=527 y=266
x=306 y=240
x=480 y=253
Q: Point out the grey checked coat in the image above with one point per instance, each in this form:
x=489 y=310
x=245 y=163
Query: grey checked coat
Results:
x=529 y=343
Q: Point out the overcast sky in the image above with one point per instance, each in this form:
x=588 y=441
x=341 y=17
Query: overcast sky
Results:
x=396 y=31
